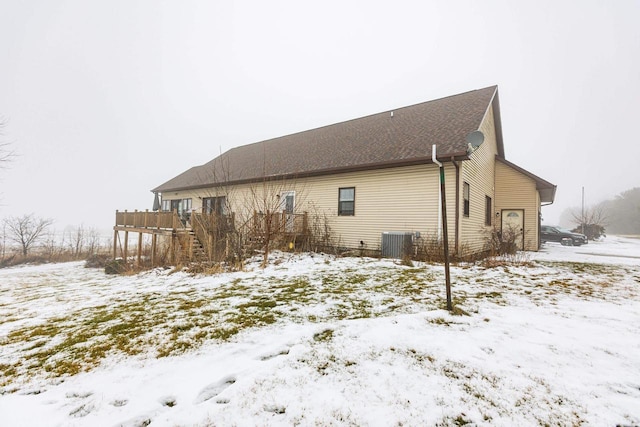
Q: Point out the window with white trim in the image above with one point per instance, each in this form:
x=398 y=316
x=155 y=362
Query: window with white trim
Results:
x=465 y=199
x=347 y=201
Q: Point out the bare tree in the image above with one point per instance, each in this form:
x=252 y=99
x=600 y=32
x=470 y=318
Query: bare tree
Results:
x=92 y=241
x=5 y=153
x=76 y=240
x=3 y=241
x=26 y=230
x=274 y=211
x=592 y=221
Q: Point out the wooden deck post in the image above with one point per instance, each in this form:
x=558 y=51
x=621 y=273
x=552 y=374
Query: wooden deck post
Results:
x=139 y=248
x=115 y=244
x=153 y=249
x=126 y=244
x=173 y=247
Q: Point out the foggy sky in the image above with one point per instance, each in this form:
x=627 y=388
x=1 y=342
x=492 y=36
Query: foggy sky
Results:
x=108 y=99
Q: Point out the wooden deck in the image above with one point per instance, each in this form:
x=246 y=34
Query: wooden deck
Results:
x=200 y=234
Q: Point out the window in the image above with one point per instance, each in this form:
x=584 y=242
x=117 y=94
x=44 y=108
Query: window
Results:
x=488 y=210
x=186 y=205
x=465 y=197
x=346 y=201
x=180 y=205
x=214 y=205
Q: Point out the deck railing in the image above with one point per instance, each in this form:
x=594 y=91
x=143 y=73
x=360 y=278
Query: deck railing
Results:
x=146 y=219
x=210 y=231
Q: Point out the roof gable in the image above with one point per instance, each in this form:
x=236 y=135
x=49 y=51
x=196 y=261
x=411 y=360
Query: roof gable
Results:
x=403 y=136
x=546 y=189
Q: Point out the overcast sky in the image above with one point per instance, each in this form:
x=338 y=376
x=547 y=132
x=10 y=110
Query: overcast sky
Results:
x=106 y=100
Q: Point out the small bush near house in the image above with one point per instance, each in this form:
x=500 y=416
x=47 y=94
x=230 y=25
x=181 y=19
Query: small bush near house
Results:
x=116 y=266
x=429 y=249
x=501 y=242
x=97 y=261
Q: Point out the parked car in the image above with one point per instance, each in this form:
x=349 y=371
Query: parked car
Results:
x=550 y=233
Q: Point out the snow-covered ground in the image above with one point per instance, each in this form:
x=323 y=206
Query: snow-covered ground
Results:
x=318 y=340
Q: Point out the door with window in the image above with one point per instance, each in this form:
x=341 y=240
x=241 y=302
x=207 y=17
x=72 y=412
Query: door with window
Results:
x=513 y=227
x=288 y=205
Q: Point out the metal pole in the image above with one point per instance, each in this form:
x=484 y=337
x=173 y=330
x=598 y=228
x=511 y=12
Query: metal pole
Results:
x=445 y=232
x=582 y=216
x=445 y=236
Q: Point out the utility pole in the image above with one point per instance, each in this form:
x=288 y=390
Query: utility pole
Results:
x=582 y=216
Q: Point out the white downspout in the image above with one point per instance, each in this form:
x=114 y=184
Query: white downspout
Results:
x=435 y=160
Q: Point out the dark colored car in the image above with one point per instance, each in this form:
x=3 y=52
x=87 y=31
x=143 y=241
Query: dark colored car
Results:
x=550 y=233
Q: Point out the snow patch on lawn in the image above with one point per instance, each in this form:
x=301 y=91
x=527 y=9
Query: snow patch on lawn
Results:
x=318 y=340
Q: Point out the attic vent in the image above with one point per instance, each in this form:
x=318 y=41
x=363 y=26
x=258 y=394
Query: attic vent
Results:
x=392 y=114
x=397 y=244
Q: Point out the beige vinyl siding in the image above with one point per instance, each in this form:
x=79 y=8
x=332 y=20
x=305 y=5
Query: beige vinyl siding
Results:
x=517 y=191
x=394 y=199
x=479 y=173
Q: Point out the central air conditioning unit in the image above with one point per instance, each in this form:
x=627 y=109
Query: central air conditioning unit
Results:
x=397 y=244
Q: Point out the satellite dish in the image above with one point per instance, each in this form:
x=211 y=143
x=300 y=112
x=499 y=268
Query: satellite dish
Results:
x=475 y=139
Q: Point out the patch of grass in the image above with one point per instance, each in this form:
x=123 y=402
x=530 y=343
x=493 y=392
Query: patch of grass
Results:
x=439 y=321
x=420 y=357
x=323 y=336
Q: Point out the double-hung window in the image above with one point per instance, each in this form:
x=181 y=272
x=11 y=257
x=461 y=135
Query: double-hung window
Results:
x=488 y=210
x=465 y=198
x=346 y=201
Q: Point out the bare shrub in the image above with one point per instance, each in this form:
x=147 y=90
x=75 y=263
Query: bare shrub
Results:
x=321 y=237
x=430 y=249
x=97 y=261
x=501 y=248
x=501 y=242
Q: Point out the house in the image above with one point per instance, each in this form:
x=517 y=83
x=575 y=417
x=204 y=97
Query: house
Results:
x=375 y=174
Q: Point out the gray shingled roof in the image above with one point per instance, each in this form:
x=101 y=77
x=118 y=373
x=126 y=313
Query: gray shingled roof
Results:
x=376 y=141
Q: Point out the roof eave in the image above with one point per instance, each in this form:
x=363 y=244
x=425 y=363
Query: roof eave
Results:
x=320 y=172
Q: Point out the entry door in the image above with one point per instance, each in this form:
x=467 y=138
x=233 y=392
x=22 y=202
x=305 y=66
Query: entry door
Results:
x=513 y=225
x=288 y=205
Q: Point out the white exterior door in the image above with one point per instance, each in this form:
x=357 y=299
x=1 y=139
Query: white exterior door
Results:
x=513 y=225
x=288 y=206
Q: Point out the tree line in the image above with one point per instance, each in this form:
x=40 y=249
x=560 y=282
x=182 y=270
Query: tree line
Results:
x=620 y=215
x=29 y=238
